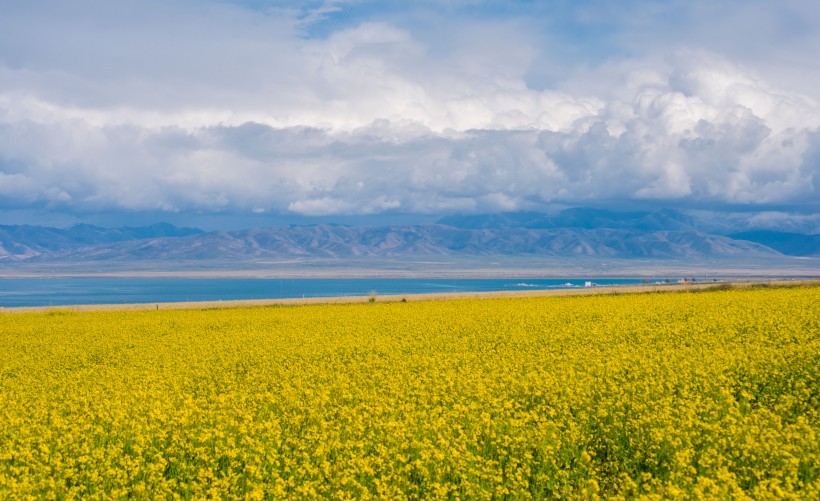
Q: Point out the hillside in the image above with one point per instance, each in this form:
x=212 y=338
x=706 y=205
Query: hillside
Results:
x=573 y=232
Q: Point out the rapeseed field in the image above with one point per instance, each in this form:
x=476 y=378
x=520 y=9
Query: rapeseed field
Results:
x=673 y=395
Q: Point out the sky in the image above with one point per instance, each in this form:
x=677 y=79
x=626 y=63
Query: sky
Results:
x=237 y=113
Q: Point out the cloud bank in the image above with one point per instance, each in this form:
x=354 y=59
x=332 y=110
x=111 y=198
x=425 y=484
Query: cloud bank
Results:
x=343 y=108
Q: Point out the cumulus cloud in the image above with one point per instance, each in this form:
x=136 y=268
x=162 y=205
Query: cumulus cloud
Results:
x=172 y=106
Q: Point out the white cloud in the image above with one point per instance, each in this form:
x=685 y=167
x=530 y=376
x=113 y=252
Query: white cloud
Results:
x=163 y=106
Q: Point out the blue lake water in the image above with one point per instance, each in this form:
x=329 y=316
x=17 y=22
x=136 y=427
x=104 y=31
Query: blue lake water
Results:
x=16 y=292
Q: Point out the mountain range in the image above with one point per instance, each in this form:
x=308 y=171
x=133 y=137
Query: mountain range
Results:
x=572 y=232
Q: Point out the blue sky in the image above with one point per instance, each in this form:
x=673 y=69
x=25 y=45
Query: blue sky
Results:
x=250 y=112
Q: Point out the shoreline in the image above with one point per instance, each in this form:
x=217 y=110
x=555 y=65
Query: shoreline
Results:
x=436 y=296
x=738 y=274
x=439 y=267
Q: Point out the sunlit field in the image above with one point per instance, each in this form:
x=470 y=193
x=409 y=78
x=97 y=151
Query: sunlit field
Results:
x=713 y=394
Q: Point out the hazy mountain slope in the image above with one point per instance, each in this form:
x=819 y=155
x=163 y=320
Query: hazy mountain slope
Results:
x=791 y=244
x=661 y=220
x=573 y=232
x=26 y=242
x=345 y=241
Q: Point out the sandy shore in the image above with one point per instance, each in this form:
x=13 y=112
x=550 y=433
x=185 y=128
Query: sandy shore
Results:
x=439 y=267
x=619 y=289
x=442 y=272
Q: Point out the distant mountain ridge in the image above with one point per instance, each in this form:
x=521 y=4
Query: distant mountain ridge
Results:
x=661 y=220
x=790 y=244
x=343 y=241
x=662 y=234
x=787 y=243
x=24 y=241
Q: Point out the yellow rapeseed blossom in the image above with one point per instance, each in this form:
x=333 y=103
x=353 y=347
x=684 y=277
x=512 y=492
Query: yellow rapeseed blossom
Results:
x=676 y=395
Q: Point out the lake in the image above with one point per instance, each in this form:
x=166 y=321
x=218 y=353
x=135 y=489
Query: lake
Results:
x=17 y=292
